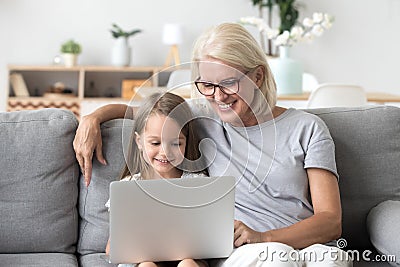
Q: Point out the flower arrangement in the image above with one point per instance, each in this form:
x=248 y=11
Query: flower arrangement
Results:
x=289 y=31
x=306 y=31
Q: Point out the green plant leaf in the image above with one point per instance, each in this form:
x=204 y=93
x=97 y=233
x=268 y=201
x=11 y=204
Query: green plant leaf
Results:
x=288 y=13
x=117 y=31
x=133 y=32
x=71 y=47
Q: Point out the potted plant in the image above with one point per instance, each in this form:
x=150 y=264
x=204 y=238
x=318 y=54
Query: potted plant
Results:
x=286 y=70
x=121 y=53
x=70 y=50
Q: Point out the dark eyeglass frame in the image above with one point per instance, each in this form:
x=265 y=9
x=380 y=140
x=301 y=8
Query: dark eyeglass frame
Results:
x=221 y=87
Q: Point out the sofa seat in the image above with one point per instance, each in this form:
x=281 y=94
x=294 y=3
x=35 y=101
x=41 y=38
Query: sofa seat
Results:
x=39 y=260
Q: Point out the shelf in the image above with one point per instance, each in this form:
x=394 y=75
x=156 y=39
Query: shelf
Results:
x=23 y=103
x=121 y=69
x=41 y=98
x=42 y=68
x=89 y=83
x=378 y=97
x=84 y=68
x=105 y=99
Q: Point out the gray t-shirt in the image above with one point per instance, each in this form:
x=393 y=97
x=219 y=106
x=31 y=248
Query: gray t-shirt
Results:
x=269 y=161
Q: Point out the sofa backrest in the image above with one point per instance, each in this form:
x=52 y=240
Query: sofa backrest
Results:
x=94 y=217
x=367 y=156
x=38 y=182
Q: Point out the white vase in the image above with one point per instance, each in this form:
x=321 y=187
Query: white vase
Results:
x=121 y=52
x=288 y=73
x=70 y=60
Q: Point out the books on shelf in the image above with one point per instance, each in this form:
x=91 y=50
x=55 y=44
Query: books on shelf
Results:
x=18 y=84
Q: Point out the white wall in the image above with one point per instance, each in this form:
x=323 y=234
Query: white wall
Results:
x=360 y=48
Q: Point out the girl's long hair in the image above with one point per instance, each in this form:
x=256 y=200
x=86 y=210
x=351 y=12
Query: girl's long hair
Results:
x=176 y=108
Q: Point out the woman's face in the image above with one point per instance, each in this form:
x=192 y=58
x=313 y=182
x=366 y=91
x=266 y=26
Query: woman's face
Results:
x=231 y=108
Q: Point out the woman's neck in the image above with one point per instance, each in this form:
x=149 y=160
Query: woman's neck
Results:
x=264 y=116
x=277 y=111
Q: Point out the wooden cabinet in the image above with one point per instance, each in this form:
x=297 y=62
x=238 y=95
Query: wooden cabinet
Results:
x=83 y=84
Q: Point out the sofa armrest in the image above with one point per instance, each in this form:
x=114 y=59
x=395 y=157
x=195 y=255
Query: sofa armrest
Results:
x=384 y=228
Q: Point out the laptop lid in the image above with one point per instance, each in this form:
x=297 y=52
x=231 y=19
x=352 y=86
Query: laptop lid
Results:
x=171 y=219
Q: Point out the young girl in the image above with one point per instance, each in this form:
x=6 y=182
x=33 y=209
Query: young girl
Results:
x=163 y=146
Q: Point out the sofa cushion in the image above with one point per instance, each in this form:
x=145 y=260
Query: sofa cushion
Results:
x=94 y=259
x=39 y=260
x=38 y=182
x=94 y=228
x=367 y=155
x=383 y=227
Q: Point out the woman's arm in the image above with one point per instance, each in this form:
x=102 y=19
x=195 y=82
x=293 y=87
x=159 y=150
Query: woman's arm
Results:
x=324 y=226
x=88 y=135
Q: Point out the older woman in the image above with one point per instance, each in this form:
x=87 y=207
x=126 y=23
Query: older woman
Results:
x=287 y=205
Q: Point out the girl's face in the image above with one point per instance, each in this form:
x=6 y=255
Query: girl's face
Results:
x=163 y=146
x=231 y=108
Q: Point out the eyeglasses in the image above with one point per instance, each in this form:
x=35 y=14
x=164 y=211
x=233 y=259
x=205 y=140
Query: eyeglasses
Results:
x=229 y=86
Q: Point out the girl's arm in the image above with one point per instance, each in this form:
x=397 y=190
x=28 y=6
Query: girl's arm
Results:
x=324 y=226
x=88 y=135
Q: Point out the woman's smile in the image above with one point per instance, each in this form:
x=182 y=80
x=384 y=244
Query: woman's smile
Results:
x=224 y=106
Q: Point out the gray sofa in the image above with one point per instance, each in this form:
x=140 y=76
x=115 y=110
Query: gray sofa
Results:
x=49 y=218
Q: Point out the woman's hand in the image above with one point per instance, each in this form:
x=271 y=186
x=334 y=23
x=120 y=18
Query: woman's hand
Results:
x=87 y=141
x=244 y=235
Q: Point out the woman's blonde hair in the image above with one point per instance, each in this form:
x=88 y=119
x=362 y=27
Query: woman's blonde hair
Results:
x=176 y=108
x=232 y=44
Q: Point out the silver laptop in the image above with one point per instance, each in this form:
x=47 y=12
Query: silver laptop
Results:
x=171 y=219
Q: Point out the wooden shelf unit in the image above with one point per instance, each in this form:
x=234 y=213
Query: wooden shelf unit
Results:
x=106 y=84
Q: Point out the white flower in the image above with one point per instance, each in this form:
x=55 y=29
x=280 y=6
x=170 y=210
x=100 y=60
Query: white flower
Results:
x=258 y=22
x=308 y=37
x=318 y=17
x=296 y=32
x=307 y=22
x=264 y=28
x=303 y=32
x=251 y=20
x=272 y=33
x=326 y=24
x=283 y=38
x=317 y=30
x=328 y=18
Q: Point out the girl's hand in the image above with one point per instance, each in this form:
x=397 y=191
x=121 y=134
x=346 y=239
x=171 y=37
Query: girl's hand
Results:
x=244 y=235
x=87 y=141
